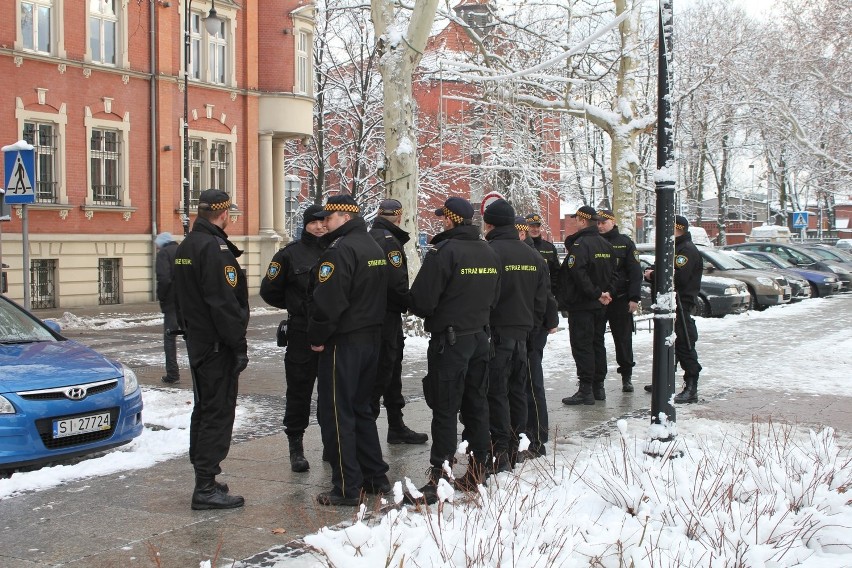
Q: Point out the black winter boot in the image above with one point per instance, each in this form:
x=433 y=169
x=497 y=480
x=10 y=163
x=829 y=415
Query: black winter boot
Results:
x=209 y=495
x=298 y=463
x=582 y=396
x=689 y=394
x=626 y=383
x=399 y=433
x=430 y=490
x=475 y=476
x=599 y=391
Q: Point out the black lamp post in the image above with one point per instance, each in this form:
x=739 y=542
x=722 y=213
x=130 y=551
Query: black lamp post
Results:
x=663 y=382
x=211 y=23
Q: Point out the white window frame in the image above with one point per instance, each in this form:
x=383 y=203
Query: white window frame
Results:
x=304 y=69
x=207 y=140
x=121 y=51
x=205 y=64
x=60 y=121
x=217 y=56
x=122 y=127
x=56 y=31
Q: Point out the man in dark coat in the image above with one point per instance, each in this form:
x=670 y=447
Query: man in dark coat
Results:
x=285 y=286
x=344 y=327
x=165 y=268
x=585 y=286
x=392 y=238
x=213 y=311
x=688 y=266
x=627 y=291
x=454 y=292
x=524 y=287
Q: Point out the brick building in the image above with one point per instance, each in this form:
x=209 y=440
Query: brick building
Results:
x=98 y=89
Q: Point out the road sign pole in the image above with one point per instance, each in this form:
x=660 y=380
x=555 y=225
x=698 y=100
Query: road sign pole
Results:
x=25 y=243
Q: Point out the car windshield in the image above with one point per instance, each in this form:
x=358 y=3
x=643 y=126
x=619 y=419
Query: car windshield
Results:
x=826 y=254
x=16 y=326
x=748 y=261
x=721 y=260
x=841 y=255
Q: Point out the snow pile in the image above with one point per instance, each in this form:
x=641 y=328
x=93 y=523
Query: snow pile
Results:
x=759 y=495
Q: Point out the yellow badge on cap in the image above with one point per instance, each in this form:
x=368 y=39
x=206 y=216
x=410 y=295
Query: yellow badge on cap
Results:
x=395 y=258
x=231 y=276
x=273 y=271
x=680 y=261
x=325 y=270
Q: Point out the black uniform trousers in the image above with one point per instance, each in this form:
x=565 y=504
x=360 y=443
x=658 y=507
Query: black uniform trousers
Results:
x=347 y=374
x=537 y=421
x=170 y=325
x=686 y=334
x=586 y=329
x=300 y=374
x=214 y=386
x=457 y=381
x=389 y=372
x=507 y=392
x=621 y=326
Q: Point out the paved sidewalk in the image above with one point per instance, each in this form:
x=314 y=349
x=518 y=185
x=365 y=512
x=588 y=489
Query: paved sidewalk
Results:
x=142 y=517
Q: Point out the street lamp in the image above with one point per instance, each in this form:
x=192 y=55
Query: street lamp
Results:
x=212 y=23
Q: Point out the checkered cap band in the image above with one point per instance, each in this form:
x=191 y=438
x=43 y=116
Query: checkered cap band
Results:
x=345 y=207
x=533 y=219
x=522 y=227
x=452 y=216
x=680 y=227
x=390 y=211
x=606 y=215
x=583 y=215
x=215 y=206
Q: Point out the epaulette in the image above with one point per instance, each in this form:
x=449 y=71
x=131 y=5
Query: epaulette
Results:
x=334 y=242
x=223 y=246
x=436 y=248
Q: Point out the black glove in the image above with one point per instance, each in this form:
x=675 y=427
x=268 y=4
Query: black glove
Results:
x=241 y=359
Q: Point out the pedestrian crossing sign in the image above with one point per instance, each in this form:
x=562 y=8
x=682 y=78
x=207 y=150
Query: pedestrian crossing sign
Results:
x=800 y=220
x=19 y=165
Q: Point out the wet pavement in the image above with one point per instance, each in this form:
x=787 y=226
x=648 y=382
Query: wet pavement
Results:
x=142 y=517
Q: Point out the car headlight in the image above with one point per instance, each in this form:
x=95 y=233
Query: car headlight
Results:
x=767 y=281
x=829 y=279
x=131 y=383
x=6 y=406
x=837 y=269
x=731 y=291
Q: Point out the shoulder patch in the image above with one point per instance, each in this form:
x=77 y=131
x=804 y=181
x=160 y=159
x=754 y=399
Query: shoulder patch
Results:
x=395 y=258
x=273 y=271
x=680 y=261
x=325 y=271
x=231 y=276
x=571 y=260
x=636 y=254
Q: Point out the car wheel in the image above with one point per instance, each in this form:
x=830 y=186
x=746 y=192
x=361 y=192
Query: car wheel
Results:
x=752 y=301
x=701 y=307
x=814 y=291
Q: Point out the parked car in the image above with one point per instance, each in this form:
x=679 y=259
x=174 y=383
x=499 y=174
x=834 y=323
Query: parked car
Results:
x=801 y=257
x=831 y=254
x=822 y=283
x=59 y=398
x=800 y=288
x=766 y=287
x=718 y=297
x=844 y=244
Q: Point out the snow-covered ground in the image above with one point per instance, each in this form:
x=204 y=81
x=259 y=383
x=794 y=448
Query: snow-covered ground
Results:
x=738 y=495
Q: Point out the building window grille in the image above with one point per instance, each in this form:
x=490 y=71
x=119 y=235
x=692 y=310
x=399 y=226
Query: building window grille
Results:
x=109 y=280
x=42 y=283
x=43 y=137
x=106 y=156
x=219 y=165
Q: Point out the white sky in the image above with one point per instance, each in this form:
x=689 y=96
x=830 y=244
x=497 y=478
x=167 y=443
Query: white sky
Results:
x=564 y=510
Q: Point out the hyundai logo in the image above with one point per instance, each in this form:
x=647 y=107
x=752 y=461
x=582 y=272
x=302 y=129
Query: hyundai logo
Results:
x=76 y=393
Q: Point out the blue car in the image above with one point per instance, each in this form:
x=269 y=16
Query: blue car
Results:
x=58 y=398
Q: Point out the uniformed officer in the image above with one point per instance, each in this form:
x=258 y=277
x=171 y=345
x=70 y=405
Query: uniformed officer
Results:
x=392 y=238
x=520 y=307
x=344 y=326
x=455 y=290
x=585 y=281
x=165 y=270
x=538 y=422
x=212 y=306
x=627 y=291
x=687 y=284
x=285 y=286
x=544 y=247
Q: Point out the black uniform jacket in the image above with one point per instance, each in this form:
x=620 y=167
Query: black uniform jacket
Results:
x=288 y=278
x=165 y=267
x=587 y=271
x=524 y=284
x=551 y=312
x=348 y=275
x=628 y=274
x=459 y=282
x=392 y=239
x=210 y=287
x=548 y=253
x=688 y=269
